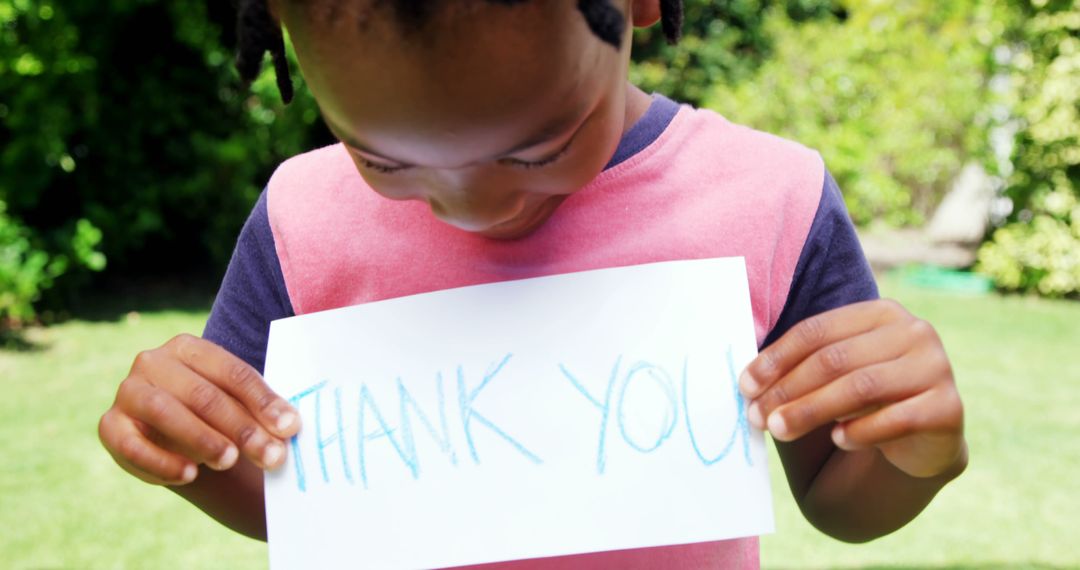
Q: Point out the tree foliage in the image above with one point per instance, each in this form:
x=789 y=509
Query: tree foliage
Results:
x=895 y=97
x=1039 y=248
x=125 y=116
x=723 y=42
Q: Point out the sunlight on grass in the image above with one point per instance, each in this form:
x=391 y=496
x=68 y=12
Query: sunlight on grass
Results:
x=64 y=503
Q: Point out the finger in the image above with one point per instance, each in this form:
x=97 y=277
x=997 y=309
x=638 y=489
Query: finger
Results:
x=185 y=431
x=135 y=453
x=852 y=396
x=811 y=334
x=223 y=413
x=858 y=414
x=934 y=410
x=828 y=364
x=240 y=381
x=921 y=435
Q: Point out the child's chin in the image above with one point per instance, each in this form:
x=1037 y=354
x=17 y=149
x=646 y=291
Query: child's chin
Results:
x=509 y=230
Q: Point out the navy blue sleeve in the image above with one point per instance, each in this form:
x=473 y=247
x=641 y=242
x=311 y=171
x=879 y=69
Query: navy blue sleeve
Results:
x=252 y=294
x=832 y=270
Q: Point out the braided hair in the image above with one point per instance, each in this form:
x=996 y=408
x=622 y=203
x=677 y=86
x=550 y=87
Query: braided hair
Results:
x=257 y=33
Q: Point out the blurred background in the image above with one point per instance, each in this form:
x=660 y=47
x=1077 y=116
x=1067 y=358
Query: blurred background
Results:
x=130 y=155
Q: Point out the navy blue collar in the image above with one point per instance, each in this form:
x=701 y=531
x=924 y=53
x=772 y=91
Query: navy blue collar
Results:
x=646 y=130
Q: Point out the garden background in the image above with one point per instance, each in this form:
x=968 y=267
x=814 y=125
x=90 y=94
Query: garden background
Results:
x=130 y=155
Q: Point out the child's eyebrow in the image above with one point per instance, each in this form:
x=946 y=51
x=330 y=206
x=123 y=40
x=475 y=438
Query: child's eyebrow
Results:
x=555 y=130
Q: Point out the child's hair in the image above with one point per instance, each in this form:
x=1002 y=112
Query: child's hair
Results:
x=258 y=34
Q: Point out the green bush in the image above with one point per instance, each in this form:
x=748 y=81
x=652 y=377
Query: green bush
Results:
x=1042 y=256
x=723 y=42
x=26 y=270
x=894 y=96
x=1038 y=250
x=129 y=114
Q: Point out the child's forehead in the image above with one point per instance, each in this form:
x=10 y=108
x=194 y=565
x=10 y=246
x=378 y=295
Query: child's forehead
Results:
x=431 y=23
x=418 y=121
x=486 y=79
x=492 y=60
x=454 y=45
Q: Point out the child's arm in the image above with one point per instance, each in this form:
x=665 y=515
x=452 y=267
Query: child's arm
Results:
x=867 y=418
x=188 y=404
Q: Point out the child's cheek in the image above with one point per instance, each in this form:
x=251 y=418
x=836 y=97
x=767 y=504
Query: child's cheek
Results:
x=596 y=145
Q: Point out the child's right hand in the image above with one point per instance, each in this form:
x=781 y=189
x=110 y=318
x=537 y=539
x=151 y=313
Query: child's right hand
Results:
x=191 y=402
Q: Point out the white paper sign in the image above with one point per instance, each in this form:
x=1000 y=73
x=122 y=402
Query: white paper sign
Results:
x=574 y=413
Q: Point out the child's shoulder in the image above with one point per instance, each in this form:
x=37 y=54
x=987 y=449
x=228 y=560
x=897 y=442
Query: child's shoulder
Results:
x=329 y=164
x=712 y=134
x=704 y=148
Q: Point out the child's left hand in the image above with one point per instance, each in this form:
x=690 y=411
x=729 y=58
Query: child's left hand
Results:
x=873 y=368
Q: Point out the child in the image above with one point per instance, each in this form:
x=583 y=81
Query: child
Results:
x=488 y=140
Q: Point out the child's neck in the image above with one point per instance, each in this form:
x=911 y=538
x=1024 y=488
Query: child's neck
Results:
x=637 y=102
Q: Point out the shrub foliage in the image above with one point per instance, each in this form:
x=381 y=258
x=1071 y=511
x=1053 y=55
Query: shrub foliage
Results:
x=894 y=96
x=125 y=116
x=1038 y=250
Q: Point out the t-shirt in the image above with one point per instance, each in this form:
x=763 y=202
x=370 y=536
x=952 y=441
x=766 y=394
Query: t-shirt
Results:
x=683 y=183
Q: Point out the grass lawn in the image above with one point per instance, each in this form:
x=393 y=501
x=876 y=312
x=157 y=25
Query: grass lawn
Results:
x=63 y=503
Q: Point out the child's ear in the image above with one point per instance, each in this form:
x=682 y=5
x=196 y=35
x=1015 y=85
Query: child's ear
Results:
x=645 y=12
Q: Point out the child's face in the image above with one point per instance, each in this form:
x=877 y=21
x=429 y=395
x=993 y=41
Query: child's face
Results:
x=492 y=114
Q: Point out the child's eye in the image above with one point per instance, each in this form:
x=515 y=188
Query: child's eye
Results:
x=537 y=164
x=380 y=168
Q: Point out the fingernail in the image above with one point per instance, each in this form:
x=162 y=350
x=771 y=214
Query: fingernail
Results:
x=777 y=425
x=839 y=437
x=285 y=421
x=753 y=415
x=227 y=459
x=272 y=454
x=190 y=471
x=747 y=385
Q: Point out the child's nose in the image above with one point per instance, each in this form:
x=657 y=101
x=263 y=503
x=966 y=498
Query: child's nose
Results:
x=475 y=215
x=473 y=201
x=460 y=182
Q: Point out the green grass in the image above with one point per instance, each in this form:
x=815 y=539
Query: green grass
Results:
x=63 y=503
